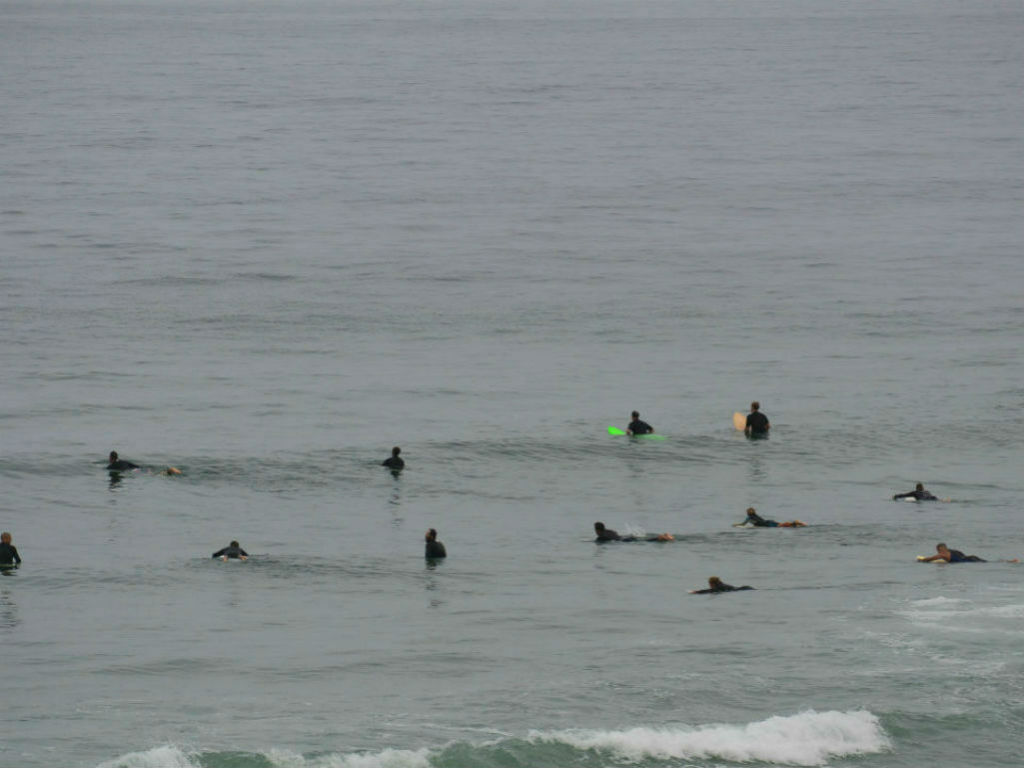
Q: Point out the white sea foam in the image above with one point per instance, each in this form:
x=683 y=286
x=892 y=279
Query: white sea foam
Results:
x=172 y=757
x=387 y=758
x=807 y=738
x=167 y=756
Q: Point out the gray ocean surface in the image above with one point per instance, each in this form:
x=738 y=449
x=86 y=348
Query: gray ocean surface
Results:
x=264 y=242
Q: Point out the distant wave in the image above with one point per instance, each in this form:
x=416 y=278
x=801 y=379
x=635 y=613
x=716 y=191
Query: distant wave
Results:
x=806 y=739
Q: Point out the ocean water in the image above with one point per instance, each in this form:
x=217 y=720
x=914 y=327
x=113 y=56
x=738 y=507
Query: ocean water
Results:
x=264 y=242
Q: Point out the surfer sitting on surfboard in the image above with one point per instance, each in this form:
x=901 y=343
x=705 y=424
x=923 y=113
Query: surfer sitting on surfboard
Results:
x=638 y=427
x=715 y=584
x=918 y=493
x=395 y=463
x=759 y=522
x=231 y=551
x=9 y=557
x=757 y=422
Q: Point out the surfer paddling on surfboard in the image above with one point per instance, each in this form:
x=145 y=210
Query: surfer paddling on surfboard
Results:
x=232 y=551
x=715 y=584
x=918 y=494
x=608 y=534
x=757 y=521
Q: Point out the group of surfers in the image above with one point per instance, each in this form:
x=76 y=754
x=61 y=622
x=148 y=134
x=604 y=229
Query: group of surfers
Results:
x=757 y=425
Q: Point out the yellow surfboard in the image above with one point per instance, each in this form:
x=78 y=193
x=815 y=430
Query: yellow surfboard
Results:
x=739 y=420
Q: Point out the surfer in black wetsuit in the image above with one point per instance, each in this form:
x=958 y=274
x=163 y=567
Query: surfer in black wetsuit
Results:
x=951 y=556
x=638 y=427
x=119 y=465
x=607 y=534
x=918 y=493
x=715 y=584
x=231 y=551
x=757 y=422
x=434 y=549
x=394 y=462
x=759 y=522
x=9 y=557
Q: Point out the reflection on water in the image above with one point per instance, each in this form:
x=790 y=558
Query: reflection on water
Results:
x=9 y=618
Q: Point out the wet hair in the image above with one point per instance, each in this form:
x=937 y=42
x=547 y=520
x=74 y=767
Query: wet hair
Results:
x=598 y=526
x=233 y=544
x=636 y=414
x=751 y=511
x=714 y=581
x=5 y=537
x=395 y=451
x=755 y=406
x=432 y=533
x=113 y=455
x=942 y=545
x=919 y=487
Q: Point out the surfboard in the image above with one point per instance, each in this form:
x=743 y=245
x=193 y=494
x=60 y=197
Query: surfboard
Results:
x=619 y=432
x=739 y=421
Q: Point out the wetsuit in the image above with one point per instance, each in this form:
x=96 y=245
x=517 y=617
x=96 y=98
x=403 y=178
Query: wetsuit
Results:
x=919 y=495
x=721 y=588
x=234 y=552
x=757 y=423
x=435 y=549
x=639 y=427
x=759 y=522
x=956 y=556
x=394 y=463
x=121 y=465
x=9 y=556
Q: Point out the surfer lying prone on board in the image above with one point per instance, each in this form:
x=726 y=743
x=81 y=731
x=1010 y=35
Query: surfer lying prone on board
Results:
x=607 y=534
x=715 y=584
x=947 y=555
x=116 y=465
x=232 y=551
x=918 y=494
x=759 y=522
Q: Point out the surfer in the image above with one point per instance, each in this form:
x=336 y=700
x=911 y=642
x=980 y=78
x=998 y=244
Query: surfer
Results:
x=918 y=493
x=434 y=549
x=759 y=522
x=951 y=556
x=715 y=584
x=394 y=462
x=9 y=557
x=757 y=422
x=638 y=427
x=119 y=465
x=607 y=534
x=231 y=551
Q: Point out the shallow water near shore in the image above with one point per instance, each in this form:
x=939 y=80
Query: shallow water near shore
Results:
x=264 y=243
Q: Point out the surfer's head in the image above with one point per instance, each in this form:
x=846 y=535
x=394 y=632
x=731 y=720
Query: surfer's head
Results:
x=755 y=406
x=113 y=456
x=714 y=582
x=920 y=486
x=751 y=511
x=5 y=538
x=233 y=544
x=599 y=527
x=431 y=535
x=635 y=414
x=395 y=451
x=941 y=548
